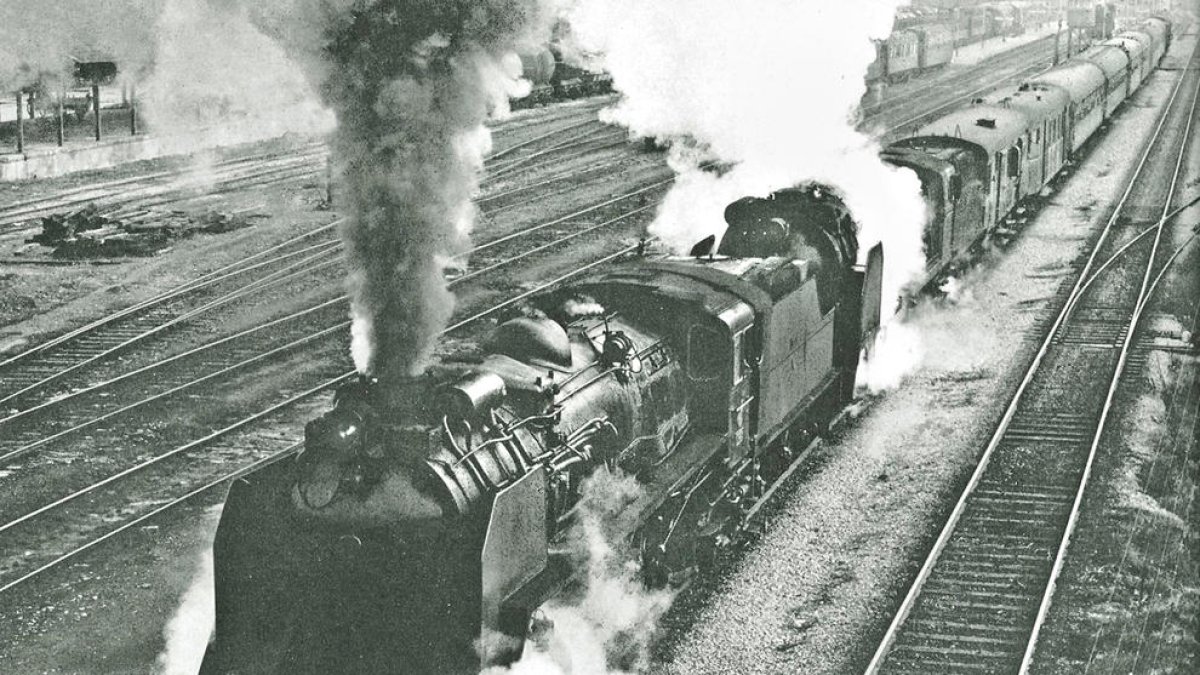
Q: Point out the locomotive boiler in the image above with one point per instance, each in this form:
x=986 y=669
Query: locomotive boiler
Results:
x=419 y=529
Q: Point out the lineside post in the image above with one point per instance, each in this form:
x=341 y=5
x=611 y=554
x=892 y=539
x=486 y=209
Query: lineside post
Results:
x=133 y=121
x=1057 y=41
x=96 y=109
x=329 y=181
x=61 y=131
x=20 y=123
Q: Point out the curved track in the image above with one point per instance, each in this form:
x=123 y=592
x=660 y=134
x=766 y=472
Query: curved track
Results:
x=981 y=596
x=130 y=198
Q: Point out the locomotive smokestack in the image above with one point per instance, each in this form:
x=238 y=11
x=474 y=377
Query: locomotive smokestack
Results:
x=412 y=83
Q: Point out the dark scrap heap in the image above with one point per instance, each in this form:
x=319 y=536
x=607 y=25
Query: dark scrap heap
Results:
x=89 y=234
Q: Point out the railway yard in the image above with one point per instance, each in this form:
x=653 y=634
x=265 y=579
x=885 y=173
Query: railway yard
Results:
x=1021 y=502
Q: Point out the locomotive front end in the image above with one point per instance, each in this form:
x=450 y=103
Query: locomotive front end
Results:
x=389 y=544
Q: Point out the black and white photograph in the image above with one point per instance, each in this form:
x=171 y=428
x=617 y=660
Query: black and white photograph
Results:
x=599 y=337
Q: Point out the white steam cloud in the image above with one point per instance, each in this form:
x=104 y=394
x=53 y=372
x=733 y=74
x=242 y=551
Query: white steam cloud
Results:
x=607 y=629
x=769 y=87
x=188 y=631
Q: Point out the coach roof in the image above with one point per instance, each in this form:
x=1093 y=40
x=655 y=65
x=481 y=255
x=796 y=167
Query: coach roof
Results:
x=992 y=127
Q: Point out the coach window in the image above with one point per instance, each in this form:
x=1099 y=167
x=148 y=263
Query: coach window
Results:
x=1014 y=160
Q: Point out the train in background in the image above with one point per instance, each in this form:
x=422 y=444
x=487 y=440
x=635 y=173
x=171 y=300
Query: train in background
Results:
x=426 y=520
x=551 y=79
x=924 y=40
x=976 y=164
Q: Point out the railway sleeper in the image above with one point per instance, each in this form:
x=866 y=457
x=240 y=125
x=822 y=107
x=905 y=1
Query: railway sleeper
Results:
x=999 y=582
x=999 y=553
x=988 y=569
x=917 y=666
x=934 y=638
x=946 y=650
x=1029 y=490
x=1006 y=539
x=1029 y=501
x=963 y=593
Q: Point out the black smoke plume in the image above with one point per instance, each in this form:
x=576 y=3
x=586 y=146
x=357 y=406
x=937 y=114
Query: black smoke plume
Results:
x=412 y=82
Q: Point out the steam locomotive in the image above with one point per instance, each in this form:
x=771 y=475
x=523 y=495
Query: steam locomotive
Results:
x=419 y=528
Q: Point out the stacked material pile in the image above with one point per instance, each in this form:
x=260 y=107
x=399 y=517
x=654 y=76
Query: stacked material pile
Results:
x=88 y=234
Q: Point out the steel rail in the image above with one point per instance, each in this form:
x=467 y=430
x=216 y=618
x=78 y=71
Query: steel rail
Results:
x=968 y=70
x=288 y=451
x=324 y=248
x=27 y=448
x=208 y=279
x=1060 y=556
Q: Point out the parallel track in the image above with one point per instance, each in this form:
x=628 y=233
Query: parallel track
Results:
x=54 y=421
x=277 y=269
x=47 y=363
x=39 y=532
x=981 y=596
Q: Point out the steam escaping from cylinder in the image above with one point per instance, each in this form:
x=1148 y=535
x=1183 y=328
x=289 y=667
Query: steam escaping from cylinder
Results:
x=607 y=628
x=187 y=633
x=769 y=89
x=411 y=83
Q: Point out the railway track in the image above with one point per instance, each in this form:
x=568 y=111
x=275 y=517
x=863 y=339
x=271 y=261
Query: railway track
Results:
x=82 y=513
x=134 y=197
x=53 y=421
x=139 y=193
x=47 y=363
x=951 y=77
x=35 y=541
x=981 y=597
x=311 y=259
